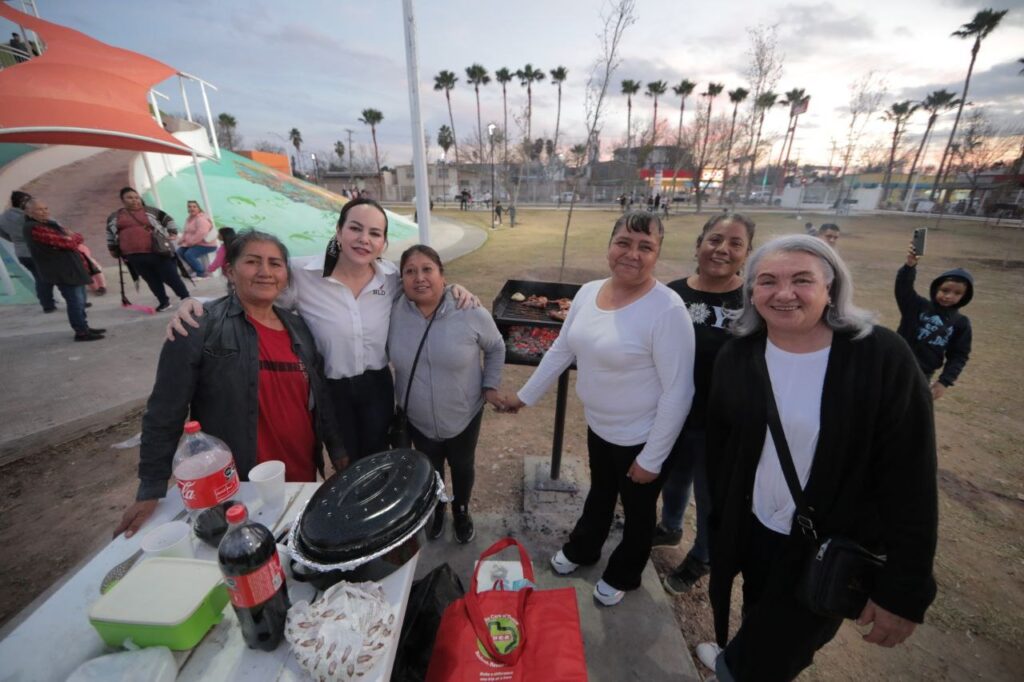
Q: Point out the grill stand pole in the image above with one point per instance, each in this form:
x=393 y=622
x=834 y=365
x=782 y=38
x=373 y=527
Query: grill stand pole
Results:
x=556 y=444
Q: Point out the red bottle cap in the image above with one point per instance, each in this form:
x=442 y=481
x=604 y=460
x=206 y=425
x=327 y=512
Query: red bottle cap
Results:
x=192 y=427
x=237 y=514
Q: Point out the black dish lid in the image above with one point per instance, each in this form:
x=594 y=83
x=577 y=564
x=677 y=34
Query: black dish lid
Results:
x=367 y=507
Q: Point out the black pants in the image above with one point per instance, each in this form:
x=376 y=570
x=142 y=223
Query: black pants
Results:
x=608 y=482
x=364 y=406
x=158 y=270
x=44 y=290
x=778 y=636
x=460 y=453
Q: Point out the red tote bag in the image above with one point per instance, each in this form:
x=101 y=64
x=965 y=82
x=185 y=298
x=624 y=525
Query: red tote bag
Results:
x=500 y=636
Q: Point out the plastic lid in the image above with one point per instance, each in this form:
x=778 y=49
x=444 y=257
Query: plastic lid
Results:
x=192 y=427
x=237 y=513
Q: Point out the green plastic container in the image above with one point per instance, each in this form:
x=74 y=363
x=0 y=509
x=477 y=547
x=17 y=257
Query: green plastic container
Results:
x=162 y=602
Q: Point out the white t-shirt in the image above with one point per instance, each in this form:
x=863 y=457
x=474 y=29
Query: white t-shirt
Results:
x=351 y=332
x=797 y=381
x=635 y=369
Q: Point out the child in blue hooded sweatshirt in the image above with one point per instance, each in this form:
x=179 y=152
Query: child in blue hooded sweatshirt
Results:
x=935 y=329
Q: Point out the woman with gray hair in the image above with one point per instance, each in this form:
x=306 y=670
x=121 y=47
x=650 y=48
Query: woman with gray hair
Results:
x=856 y=433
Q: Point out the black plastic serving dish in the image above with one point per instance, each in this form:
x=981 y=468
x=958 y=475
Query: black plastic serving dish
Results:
x=362 y=510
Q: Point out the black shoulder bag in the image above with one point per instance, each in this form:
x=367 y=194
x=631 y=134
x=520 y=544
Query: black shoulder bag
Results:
x=398 y=433
x=838 y=575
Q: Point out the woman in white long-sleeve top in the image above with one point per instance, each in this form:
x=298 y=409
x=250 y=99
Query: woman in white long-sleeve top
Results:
x=449 y=384
x=633 y=343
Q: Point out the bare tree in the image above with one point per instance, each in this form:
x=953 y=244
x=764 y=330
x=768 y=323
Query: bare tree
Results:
x=617 y=16
x=763 y=73
x=980 y=146
x=866 y=95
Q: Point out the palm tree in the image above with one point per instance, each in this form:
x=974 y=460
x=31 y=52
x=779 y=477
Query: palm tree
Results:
x=476 y=75
x=372 y=118
x=713 y=91
x=558 y=76
x=446 y=80
x=445 y=139
x=655 y=89
x=684 y=89
x=339 y=151
x=979 y=28
x=629 y=88
x=527 y=75
x=765 y=101
x=735 y=96
x=899 y=113
x=796 y=100
x=940 y=100
x=296 y=137
x=227 y=125
x=504 y=76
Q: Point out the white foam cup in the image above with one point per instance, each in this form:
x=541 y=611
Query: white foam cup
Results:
x=269 y=480
x=173 y=539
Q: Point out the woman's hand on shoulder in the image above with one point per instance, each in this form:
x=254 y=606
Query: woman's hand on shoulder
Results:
x=188 y=313
x=464 y=298
x=134 y=516
x=638 y=474
x=888 y=629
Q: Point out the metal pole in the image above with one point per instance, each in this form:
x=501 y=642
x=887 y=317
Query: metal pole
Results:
x=152 y=182
x=419 y=156
x=560 y=404
x=209 y=119
x=349 y=131
x=202 y=189
x=156 y=108
x=184 y=97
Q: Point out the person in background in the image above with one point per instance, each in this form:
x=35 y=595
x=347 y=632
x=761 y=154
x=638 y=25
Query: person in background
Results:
x=227 y=235
x=449 y=385
x=857 y=417
x=59 y=262
x=250 y=374
x=829 y=233
x=131 y=232
x=498 y=210
x=194 y=241
x=712 y=294
x=18 y=44
x=633 y=344
x=934 y=328
x=12 y=228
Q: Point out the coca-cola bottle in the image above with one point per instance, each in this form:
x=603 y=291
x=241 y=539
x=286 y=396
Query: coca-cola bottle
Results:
x=204 y=469
x=255 y=581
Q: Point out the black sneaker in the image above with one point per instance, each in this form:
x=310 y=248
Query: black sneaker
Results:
x=463 y=522
x=435 y=527
x=163 y=306
x=88 y=336
x=97 y=331
x=663 y=537
x=685 y=576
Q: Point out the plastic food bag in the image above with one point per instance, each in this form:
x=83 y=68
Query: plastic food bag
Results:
x=155 y=664
x=342 y=635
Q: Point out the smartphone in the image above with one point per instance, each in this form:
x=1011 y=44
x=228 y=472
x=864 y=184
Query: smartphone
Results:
x=920 y=236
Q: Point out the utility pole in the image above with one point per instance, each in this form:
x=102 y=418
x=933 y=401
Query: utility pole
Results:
x=349 y=131
x=419 y=153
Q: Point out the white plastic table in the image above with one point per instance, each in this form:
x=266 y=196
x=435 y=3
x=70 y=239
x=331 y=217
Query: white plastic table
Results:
x=53 y=636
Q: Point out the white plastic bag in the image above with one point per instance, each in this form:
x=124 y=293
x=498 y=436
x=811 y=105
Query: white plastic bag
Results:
x=342 y=635
x=155 y=664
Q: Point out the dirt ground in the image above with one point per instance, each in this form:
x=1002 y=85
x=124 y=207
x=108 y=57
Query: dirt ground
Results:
x=58 y=505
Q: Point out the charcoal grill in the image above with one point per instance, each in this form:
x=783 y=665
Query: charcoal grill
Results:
x=508 y=313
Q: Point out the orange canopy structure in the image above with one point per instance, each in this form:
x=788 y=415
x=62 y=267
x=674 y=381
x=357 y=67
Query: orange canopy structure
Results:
x=82 y=92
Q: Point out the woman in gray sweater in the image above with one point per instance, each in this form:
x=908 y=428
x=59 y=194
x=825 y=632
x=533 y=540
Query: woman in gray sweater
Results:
x=449 y=385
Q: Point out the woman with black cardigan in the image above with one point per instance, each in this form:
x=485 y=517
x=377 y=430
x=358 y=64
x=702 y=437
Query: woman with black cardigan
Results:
x=857 y=416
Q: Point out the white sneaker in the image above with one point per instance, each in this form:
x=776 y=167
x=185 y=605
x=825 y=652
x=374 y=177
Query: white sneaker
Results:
x=707 y=653
x=562 y=565
x=606 y=594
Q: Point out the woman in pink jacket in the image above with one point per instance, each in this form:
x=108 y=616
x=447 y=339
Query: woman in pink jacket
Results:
x=193 y=244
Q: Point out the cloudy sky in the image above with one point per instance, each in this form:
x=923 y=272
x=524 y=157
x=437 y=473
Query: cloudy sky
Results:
x=315 y=64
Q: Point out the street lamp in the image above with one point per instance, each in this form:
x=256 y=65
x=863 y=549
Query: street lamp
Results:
x=490 y=137
x=316 y=170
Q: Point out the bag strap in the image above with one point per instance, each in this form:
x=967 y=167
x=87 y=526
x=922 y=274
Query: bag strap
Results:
x=476 y=617
x=524 y=560
x=803 y=514
x=416 y=360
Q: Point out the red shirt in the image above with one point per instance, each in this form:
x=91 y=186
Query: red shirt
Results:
x=134 y=234
x=285 y=426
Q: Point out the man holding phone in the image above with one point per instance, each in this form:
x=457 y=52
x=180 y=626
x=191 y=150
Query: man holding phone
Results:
x=934 y=328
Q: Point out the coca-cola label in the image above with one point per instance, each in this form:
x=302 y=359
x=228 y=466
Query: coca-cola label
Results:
x=209 y=491
x=252 y=589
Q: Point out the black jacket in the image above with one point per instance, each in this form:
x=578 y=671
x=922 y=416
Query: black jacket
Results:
x=211 y=376
x=935 y=333
x=874 y=472
x=62 y=264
